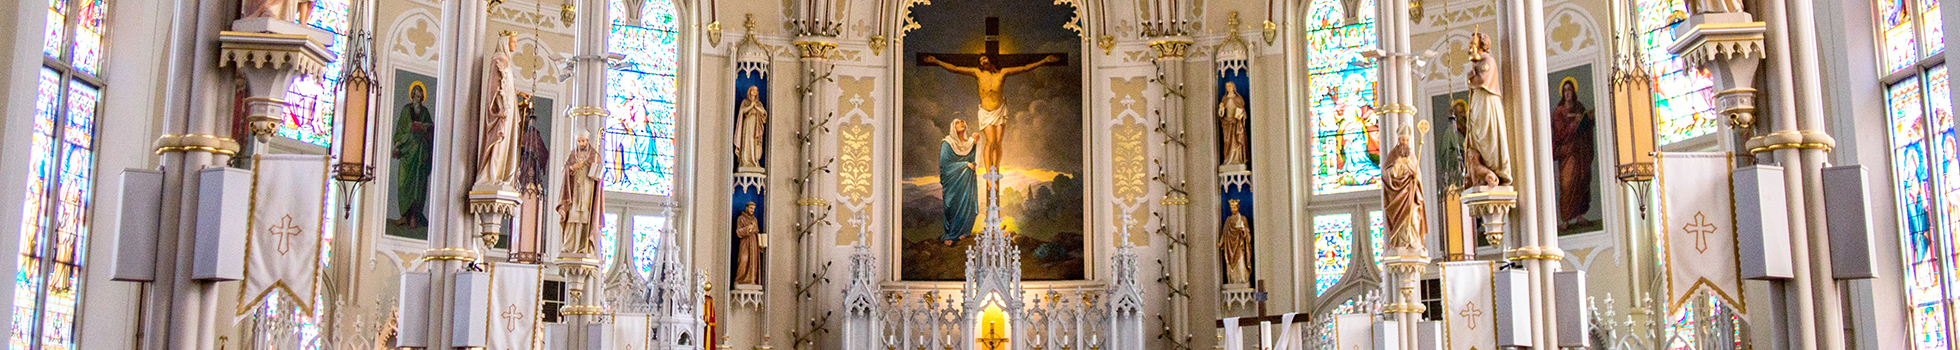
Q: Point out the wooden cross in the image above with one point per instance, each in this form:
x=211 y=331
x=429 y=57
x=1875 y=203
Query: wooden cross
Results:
x=1700 y=228
x=992 y=53
x=285 y=230
x=510 y=317
x=1469 y=313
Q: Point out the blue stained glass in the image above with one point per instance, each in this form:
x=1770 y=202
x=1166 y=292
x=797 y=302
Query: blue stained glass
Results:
x=88 y=35
x=646 y=243
x=1341 y=89
x=640 y=94
x=1333 y=249
x=310 y=101
x=1681 y=94
x=51 y=34
x=608 y=234
x=1375 y=236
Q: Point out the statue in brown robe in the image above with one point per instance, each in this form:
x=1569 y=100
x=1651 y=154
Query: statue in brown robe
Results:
x=1235 y=246
x=748 y=247
x=578 y=207
x=1402 y=197
x=1232 y=126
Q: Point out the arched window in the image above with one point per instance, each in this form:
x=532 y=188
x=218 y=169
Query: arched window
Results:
x=1919 y=111
x=640 y=95
x=53 y=237
x=1333 y=249
x=1681 y=94
x=1341 y=96
x=310 y=101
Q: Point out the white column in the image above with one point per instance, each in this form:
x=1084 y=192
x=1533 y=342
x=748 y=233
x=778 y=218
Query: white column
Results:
x=1801 y=19
x=592 y=19
x=1170 y=76
x=1800 y=291
x=179 y=312
x=458 y=45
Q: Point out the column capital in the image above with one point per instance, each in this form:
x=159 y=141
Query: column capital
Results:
x=1173 y=47
x=814 y=48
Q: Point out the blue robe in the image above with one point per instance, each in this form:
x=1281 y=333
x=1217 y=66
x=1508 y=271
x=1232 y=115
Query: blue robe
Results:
x=956 y=181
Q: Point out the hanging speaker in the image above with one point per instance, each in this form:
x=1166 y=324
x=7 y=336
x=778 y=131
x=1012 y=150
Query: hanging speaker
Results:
x=1429 y=335
x=1850 y=225
x=414 y=316
x=136 y=229
x=1762 y=223
x=1512 y=308
x=1574 y=323
x=224 y=201
x=468 y=326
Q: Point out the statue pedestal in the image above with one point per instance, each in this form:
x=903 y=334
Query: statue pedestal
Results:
x=751 y=180
x=491 y=205
x=746 y=295
x=269 y=59
x=1731 y=46
x=1491 y=205
x=1234 y=177
x=1237 y=295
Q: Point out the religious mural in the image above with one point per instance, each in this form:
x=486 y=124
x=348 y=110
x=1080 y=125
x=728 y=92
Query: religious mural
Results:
x=1450 y=114
x=411 y=153
x=1027 y=127
x=1575 y=151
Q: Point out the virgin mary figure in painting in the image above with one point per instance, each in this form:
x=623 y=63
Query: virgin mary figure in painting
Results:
x=956 y=182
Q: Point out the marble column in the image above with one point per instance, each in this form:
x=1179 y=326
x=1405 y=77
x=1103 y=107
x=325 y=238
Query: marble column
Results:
x=590 y=21
x=816 y=40
x=1799 y=145
x=1171 y=50
x=1538 y=203
x=453 y=242
x=1396 y=98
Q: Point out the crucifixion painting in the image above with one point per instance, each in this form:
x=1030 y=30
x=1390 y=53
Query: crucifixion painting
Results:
x=993 y=117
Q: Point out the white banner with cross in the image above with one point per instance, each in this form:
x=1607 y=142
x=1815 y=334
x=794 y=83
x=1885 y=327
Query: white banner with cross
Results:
x=1467 y=301
x=282 y=248
x=515 y=323
x=1697 y=226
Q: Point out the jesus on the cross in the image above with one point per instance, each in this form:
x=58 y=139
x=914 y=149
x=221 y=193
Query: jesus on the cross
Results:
x=989 y=74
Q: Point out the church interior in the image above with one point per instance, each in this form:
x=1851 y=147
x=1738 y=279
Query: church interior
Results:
x=797 y=175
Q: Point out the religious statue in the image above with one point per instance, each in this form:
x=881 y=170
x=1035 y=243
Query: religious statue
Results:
x=1235 y=246
x=748 y=247
x=1573 y=152
x=749 y=130
x=533 y=153
x=1486 y=162
x=1714 y=6
x=301 y=10
x=993 y=118
x=578 y=207
x=414 y=148
x=497 y=141
x=1402 y=196
x=956 y=183
x=1232 y=126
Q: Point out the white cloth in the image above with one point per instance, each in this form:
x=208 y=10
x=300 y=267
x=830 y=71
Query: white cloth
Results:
x=1234 y=337
x=1289 y=334
x=1467 y=306
x=1698 y=227
x=991 y=117
x=1486 y=131
x=514 y=310
x=630 y=332
x=1354 y=332
x=282 y=248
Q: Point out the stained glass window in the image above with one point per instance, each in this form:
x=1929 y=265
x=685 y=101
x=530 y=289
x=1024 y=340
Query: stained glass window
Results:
x=1911 y=31
x=1925 y=162
x=1333 y=249
x=608 y=240
x=1682 y=94
x=1341 y=96
x=310 y=100
x=640 y=94
x=1375 y=235
x=61 y=168
x=646 y=243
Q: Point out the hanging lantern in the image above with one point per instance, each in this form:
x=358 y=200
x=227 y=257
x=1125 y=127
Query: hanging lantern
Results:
x=353 y=141
x=1633 y=124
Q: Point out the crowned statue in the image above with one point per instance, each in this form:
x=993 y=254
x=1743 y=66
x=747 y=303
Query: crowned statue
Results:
x=577 y=208
x=1485 y=159
x=1235 y=246
x=497 y=141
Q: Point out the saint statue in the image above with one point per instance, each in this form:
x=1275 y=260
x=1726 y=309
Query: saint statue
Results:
x=1402 y=196
x=992 y=117
x=753 y=121
x=415 y=134
x=1235 y=246
x=1573 y=152
x=956 y=183
x=1714 y=6
x=533 y=153
x=1486 y=163
x=1232 y=126
x=578 y=207
x=496 y=160
x=748 y=247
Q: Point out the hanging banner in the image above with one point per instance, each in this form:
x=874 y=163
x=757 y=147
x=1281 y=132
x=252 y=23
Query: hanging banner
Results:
x=514 y=322
x=1289 y=334
x=630 y=331
x=1354 y=331
x=1467 y=301
x=1234 y=337
x=282 y=247
x=1697 y=226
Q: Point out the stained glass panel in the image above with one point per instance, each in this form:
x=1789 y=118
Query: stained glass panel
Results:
x=608 y=234
x=51 y=35
x=1895 y=23
x=1375 y=235
x=640 y=94
x=1333 y=249
x=28 y=281
x=1929 y=11
x=310 y=100
x=88 y=35
x=1341 y=88
x=1681 y=94
x=646 y=242
x=1924 y=288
